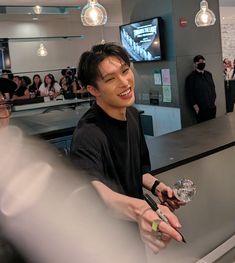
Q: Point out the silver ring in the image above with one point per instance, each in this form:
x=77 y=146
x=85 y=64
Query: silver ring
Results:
x=158 y=235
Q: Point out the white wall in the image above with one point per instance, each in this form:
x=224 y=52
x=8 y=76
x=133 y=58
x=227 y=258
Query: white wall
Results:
x=165 y=119
x=228 y=32
x=228 y=39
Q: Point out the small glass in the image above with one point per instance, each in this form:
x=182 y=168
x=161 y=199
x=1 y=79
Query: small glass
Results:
x=184 y=190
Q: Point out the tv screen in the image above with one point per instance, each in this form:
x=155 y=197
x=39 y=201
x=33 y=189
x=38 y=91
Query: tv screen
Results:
x=142 y=39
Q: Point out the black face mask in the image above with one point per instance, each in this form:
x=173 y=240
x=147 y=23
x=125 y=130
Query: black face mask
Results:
x=201 y=65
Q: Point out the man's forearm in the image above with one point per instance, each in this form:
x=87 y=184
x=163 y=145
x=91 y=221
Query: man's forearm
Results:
x=122 y=206
x=138 y=210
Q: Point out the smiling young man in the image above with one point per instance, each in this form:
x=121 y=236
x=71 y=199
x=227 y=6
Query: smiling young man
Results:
x=109 y=144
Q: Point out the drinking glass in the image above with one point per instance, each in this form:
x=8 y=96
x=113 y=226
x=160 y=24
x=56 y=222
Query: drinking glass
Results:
x=184 y=190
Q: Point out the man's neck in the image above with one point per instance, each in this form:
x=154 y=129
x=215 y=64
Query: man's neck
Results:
x=115 y=113
x=200 y=71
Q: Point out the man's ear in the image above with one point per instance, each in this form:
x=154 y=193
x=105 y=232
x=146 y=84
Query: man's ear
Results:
x=93 y=91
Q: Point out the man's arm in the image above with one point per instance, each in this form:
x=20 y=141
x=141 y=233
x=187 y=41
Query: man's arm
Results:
x=138 y=211
x=189 y=91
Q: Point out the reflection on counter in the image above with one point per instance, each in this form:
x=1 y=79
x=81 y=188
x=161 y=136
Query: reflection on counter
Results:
x=37 y=107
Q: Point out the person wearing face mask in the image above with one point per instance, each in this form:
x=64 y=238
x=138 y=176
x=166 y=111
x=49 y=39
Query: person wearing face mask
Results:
x=200 y=91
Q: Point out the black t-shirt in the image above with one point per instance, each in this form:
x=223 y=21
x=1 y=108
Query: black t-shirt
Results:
x=7 y=86
x=112 y=151
x=33 y=88
x=20 y=91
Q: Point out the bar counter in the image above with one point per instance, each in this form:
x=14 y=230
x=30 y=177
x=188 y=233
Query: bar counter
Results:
x=208 y=220
x=166 y=151
x=189 y=144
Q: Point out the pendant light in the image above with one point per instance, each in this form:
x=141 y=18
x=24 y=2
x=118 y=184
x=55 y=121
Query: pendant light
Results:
x=93 y=14
x=42 y=51
x=204 y=17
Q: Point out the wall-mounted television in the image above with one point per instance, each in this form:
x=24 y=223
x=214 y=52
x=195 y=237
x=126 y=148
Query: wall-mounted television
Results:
x=143 y=39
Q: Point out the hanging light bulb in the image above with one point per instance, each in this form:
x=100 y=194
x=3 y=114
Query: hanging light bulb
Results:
x=204 y=17
x=37 y=9
x=42 y=51
x=93 y=14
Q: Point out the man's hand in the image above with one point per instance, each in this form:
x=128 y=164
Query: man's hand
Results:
x=196 y=108
x=167 y=231
x=137 y=210
x=162 y=191
x=167 y=197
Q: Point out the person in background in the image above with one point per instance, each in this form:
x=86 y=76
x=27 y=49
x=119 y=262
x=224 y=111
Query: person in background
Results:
x=228 y=69
x=69 y=83
x=8 y=86
x=200 y=91
x=34 y=87
x=225 y=63
x=26 y=81
x=5 y=110
x=50 y=87
x=109 y=145
x=233 y=73
x=21 y=92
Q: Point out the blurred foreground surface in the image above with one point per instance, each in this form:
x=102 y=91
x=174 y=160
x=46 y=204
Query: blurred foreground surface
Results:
x=50 y=212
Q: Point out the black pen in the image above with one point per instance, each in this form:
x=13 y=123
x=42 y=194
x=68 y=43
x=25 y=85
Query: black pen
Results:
x=155 y=208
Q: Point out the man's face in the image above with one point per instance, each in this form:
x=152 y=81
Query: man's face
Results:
x=200 y=65
x=5 y=76
x=116 y=85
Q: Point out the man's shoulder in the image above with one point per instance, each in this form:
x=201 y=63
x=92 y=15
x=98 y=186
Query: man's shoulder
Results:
x=207 y=72
x=88 y=124
x=192 y=74
x=132 y=110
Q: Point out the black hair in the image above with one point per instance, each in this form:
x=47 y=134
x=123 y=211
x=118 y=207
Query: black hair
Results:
x=50 y=76
x=27 y=80
x=88 y=71
x=37 y=75
x=33 y=87
x=197 y=58
x=63 y=71
x=69 y=71
x=9 y=73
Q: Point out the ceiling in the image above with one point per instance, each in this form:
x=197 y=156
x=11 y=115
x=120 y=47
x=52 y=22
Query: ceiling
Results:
x=111 y=6
x=50 y=2
x=227 y=7
x=79 y=2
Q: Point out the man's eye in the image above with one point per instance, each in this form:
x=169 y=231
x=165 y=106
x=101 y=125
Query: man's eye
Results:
x=125 y=70
x=109 y=79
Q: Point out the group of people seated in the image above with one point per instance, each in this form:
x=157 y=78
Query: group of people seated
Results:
x=22 y=87
x=229 y=69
